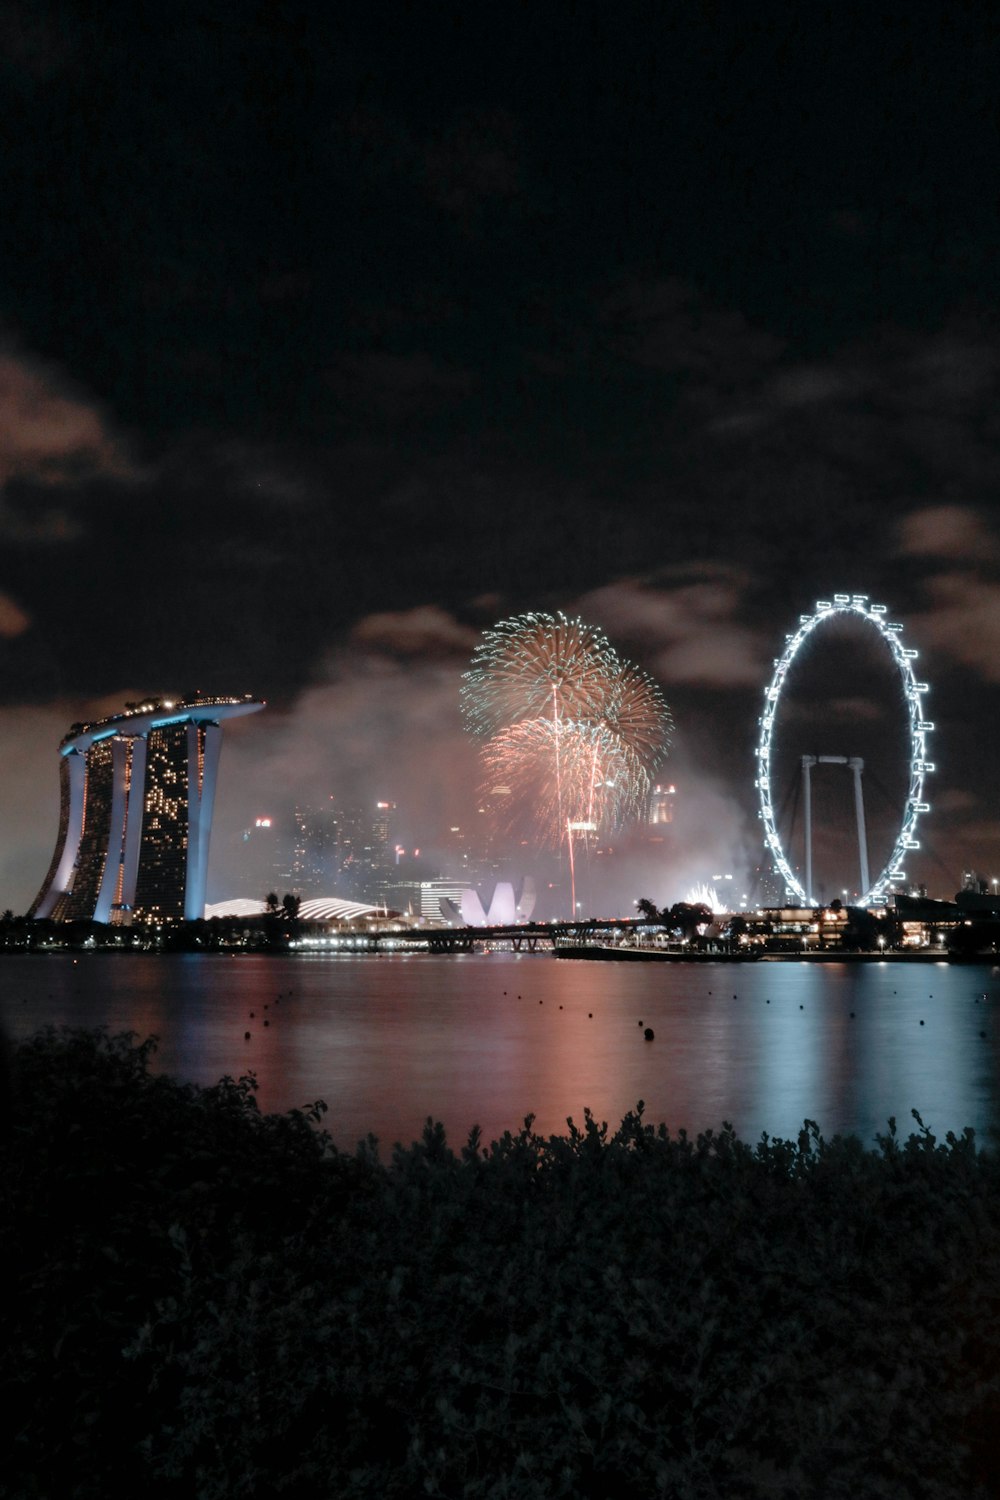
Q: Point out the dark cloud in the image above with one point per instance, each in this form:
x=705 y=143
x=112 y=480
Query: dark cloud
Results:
x=473 y=167
x=399 y=386
x=962 y=623
x=688 y=629
x=948 y=531
x=427 y=631
x=669 y=327
x=13 y=620
x=51 y=433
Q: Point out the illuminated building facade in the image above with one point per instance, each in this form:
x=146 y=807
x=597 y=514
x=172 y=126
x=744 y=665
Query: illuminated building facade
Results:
x=661 y=804
x=137 y=793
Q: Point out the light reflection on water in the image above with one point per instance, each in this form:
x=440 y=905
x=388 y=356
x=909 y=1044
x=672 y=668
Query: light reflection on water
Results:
x=388 y=1041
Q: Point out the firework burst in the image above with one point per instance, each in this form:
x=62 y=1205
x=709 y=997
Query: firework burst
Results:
x=573 y=732
x=599 y=786
x=536 y=666
x=706 y=895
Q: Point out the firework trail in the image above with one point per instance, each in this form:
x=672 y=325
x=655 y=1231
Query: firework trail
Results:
x=571 y=730
x=600 y=784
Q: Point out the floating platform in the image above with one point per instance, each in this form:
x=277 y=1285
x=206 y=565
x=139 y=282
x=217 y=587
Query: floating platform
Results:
x=609 y=954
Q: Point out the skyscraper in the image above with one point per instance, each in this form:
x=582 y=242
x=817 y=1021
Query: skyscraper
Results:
x=662 y=804
x=315 y=857
x=137 y=792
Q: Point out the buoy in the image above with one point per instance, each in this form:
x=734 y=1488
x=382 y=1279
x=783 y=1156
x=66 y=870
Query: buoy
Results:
x=649 y=1033
x=246 y=1036
x=590 y=1015
x=921 y=1023
x=267 y=1023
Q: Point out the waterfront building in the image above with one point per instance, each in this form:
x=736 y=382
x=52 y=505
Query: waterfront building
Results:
x=433 y=901
x=661 y=804
x=137 y=792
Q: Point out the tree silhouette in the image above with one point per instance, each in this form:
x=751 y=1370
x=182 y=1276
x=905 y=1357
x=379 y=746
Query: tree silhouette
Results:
x=685 y=918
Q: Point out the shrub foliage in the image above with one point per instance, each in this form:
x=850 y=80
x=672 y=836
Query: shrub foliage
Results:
x=215 y=1303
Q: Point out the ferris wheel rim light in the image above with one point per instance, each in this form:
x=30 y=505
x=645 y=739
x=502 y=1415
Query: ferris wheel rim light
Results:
x=859 y=606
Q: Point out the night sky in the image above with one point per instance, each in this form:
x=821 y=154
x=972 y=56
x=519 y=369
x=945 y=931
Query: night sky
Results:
x=331 y=334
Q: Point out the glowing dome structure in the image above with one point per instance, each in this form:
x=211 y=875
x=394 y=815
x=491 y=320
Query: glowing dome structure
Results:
x=320 y=909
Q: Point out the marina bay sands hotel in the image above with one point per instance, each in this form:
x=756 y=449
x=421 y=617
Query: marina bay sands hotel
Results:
x=136 y=795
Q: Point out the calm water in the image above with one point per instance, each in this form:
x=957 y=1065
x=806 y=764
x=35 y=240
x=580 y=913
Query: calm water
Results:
x=388 y=1041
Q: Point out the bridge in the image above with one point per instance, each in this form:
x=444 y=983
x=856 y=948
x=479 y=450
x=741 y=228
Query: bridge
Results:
x=525 y=937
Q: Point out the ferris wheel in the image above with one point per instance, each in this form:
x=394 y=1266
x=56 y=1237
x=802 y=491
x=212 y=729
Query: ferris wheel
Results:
x=856 y=606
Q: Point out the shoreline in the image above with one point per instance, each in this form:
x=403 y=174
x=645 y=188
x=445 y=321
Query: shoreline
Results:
x=594 y=952
x=587 y=952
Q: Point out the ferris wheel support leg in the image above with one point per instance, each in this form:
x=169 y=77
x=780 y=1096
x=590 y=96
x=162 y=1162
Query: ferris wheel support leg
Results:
x=857 y=765
x=808 y=761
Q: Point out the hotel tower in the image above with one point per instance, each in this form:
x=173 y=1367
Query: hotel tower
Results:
x=136 y=793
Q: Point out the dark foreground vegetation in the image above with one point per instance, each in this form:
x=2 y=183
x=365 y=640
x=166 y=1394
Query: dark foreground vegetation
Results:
x=208 y=1302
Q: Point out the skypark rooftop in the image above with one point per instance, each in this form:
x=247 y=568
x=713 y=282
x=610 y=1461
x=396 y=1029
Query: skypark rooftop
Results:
x=152 y=713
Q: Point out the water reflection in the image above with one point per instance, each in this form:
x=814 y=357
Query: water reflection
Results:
x=388 y=1041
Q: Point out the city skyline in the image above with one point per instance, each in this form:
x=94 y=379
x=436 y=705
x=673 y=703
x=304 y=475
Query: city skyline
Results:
x=332 y=338
x=337 y=848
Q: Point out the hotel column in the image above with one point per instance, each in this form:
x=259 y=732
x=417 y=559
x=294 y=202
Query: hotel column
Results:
x=116 y=830
x=74 y=768
x=204 y=746
x=133 y=819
